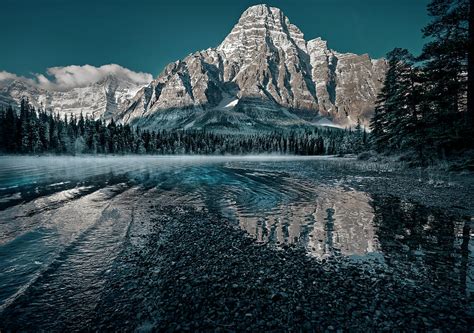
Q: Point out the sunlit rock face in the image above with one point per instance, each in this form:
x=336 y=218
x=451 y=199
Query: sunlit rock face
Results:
x=346 y=84
x=277 y=77
x=266 y=56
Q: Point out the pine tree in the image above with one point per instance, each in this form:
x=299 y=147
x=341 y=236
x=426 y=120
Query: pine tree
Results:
x=33 y=133
x=391 y=112
x=81 y=125
x=445 y=59
x=23 y=128
x=10 y=132
x=358 y=138
x=397 y=124
x=44 y=131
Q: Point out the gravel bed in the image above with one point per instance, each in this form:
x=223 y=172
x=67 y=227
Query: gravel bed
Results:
x=198 y=272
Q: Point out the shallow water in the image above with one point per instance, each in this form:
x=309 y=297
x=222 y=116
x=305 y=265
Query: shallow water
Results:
x=66 y=219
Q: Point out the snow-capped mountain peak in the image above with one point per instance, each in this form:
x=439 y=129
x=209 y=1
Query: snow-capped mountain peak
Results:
x=258 y=26
x=277 y=78
x=263 y=75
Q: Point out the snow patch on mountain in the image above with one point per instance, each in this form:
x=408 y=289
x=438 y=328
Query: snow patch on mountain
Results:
x=231 y=104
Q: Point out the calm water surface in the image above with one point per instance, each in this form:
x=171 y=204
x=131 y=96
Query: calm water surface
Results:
x=66 y=217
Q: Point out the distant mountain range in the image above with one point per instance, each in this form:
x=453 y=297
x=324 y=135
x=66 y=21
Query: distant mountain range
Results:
x=104 y=98
x=264 y=75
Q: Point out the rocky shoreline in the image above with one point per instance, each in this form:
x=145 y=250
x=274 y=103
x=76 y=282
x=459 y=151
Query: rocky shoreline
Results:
x=198 y=272
x=450 y=191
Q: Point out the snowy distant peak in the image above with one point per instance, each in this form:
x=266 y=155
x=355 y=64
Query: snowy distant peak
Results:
x=16 y=84
x=75 y=76
x=64 y=78
x=96 y=91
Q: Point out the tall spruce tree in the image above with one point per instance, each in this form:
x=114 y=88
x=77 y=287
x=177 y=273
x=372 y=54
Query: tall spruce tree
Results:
x=396 y=104
x=445 y=60
x=425 y=105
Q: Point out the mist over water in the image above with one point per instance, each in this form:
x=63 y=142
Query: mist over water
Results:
x=66 y=218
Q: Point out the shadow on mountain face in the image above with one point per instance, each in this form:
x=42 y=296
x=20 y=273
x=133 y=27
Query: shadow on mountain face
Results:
x=247 y=115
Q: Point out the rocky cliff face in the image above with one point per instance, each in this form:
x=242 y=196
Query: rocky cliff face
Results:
x=346 y=84
x=264 y=73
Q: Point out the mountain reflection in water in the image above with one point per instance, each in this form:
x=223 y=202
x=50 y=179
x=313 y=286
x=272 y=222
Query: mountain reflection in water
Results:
x=73 y=212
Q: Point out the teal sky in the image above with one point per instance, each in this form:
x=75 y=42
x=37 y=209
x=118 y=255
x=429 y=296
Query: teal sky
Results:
x=145 y=35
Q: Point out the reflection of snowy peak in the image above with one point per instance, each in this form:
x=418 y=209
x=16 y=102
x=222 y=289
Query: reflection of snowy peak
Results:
x=264 y=73
x=101 y=99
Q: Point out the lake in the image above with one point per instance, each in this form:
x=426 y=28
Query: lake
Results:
x=66 y=218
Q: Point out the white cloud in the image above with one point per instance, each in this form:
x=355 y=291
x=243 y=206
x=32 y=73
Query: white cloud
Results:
x=62 y=78
x=6 y=77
